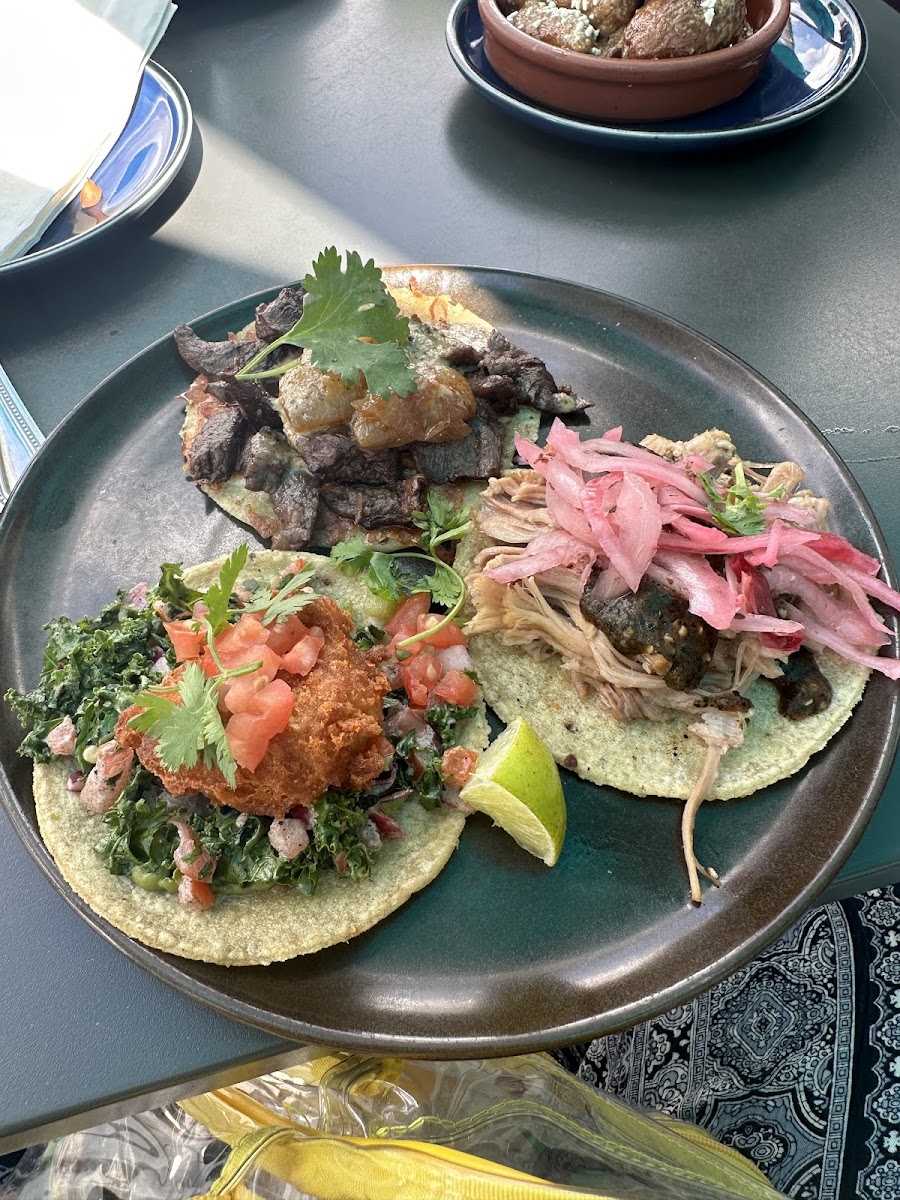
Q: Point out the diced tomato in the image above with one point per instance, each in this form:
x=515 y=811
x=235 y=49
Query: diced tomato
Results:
x=457 y=765
x=191 y=857
x=457 y=688
x=286 y=633
x=240 y=650
x=450 y=635
x=302 y=657
x=405 y=620
x=242 y=635
x=185 y=638
x=271 y=703
x=418 y=676
x=259 y=714
x=195 y=895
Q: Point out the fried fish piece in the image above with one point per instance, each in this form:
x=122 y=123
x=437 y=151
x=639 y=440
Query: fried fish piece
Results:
x=333 y=739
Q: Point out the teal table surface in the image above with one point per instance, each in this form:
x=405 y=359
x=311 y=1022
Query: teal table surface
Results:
x=322 y=123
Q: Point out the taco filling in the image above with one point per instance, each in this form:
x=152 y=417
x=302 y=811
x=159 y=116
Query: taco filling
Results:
x=234 y=736
x=347 y=403
x=673 y=584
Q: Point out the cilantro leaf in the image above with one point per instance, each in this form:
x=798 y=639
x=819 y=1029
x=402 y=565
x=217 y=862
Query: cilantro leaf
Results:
x=290 y=598
x=442 y=522
x=353 y=555
x=445 y=585
x=741 y=510
x=384 y=364
x=217 y=596
x=350 y=324
x=185 y=731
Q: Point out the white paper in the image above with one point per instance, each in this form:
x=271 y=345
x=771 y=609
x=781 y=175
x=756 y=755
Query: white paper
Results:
x=69 y=73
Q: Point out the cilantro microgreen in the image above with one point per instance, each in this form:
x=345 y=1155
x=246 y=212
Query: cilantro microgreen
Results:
x=740 y=510
x=289 y=598
x=350 y=323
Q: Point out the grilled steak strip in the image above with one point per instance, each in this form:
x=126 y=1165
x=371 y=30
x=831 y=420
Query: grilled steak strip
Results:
x=251 y=398
x=478 y=456
x=213 y=454
x=372 y=507
x=499 y=391
x=215 y=360
x=534 y=384
x=338 y=458
x=265 y=459
x=296 y=502
x=279 y=315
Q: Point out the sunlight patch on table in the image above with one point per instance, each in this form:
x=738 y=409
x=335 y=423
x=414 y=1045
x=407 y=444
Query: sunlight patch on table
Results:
x=243 y=193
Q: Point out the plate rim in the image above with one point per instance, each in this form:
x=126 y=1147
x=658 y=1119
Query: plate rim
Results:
x=169 y=969
x=598 y=133
x=176 y=93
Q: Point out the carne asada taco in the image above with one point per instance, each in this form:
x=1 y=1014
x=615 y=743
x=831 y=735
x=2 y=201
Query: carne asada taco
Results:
x=311 y=428
x=689 y=625
x=228 y=767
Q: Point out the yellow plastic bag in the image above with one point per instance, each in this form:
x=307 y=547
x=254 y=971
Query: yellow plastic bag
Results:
x=349 y=1127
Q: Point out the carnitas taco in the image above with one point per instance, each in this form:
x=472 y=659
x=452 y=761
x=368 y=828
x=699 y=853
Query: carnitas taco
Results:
x=236 y=766
x=345 y=403
x=674 y=620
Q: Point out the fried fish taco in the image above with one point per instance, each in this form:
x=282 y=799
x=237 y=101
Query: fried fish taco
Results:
x=675 y=621
x=346 y=402
x=228 y=766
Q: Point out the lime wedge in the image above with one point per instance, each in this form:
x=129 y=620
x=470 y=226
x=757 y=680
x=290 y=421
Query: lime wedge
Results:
x=517 y=784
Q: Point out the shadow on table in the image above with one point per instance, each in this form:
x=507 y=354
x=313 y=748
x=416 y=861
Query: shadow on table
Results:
x=200 y=14
x=689 y=184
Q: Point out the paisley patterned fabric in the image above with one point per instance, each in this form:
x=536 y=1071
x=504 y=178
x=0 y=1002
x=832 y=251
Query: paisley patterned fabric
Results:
x=794 y=1060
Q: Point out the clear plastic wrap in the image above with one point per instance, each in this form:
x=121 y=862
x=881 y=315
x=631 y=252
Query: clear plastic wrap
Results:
x=350 y=1127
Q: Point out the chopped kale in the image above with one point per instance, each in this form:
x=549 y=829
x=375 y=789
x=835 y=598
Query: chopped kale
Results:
x=172 y=589
x=142 y=840
x=368 y=636
x=92 y=669
x=444 y=719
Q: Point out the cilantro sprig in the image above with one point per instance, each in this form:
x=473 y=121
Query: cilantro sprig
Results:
x=402 y=573
x=350 y=324
x=190 y=730
x=184 y=718
x=291 y=597
x=740 y=510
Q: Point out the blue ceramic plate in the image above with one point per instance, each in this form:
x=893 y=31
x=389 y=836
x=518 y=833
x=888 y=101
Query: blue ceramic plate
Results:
x=135 y=173
x=818 y=57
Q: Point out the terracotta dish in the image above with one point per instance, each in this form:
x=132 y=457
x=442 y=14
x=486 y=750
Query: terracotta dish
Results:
x=630 y=89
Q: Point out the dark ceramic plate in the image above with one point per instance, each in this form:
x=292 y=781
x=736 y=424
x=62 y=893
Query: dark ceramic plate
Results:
x=499 y=955
x=820 y=54
x=145 y=159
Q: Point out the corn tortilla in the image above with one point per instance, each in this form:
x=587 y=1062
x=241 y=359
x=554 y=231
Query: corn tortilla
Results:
x=261 y=927
x=651 y=758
